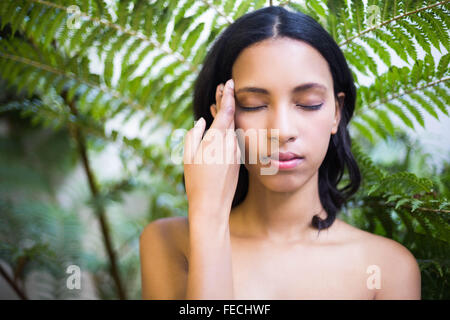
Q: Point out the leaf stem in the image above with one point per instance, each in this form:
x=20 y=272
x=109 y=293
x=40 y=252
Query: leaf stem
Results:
x=13 y=284
x=100 y=210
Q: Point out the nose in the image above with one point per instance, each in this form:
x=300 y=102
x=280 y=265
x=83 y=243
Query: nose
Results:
x=282 y=118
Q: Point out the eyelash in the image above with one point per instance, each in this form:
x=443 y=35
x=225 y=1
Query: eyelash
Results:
x=314 y=107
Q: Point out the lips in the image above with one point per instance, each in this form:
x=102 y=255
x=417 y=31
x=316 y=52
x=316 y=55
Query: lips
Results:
x=287 y=161
x=286 y=156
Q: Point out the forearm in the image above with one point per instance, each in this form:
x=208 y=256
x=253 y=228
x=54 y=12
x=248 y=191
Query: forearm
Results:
x=210 y=271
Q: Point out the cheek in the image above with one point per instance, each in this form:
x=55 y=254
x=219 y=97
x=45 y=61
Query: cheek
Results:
x=319 y=125
x=245 y=121
x=252 y=126
x=317 y=136
x=314 y=131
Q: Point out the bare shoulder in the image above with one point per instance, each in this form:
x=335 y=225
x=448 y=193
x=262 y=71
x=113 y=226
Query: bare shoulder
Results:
x=163 y=264
x=172 y=230
x=396 y=265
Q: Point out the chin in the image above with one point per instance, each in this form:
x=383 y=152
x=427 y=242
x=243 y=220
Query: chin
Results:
x=282 y=181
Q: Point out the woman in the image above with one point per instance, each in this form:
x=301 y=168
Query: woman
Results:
x=250 y=235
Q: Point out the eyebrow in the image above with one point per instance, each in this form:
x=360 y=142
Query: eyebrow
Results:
x=300 y=88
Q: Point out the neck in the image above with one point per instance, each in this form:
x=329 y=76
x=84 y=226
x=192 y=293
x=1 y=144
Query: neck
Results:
x=280 y=216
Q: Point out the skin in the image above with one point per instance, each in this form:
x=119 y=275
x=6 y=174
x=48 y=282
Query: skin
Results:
x=276 y=253
x=271 y=209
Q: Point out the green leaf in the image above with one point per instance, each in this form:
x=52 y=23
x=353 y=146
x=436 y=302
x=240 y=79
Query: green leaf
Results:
x=44 y=20
x=401 y=202
x=19 y=16
x=358 y=14
x=180 y=27
x=379 y=49
x=400 y=113
x=424 y=25
x=363 y=130
x=192 y=39
x=438 y=28
x=417 y=34
x=437 y=101
x=443 y=68
x=10 y=11
x=56 y=24
x=242 y=9
x=384 y=117
x=374 y=124
x=424 y=104
x=109 y=60
x=414 y=111
x=228 y=6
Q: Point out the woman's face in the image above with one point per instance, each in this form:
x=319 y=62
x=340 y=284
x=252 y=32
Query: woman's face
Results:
x=305 y=117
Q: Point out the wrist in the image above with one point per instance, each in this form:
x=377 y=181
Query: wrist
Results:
x=208 y=219
x=207 y=211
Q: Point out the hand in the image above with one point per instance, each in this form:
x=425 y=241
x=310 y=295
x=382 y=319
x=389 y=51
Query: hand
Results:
x=211 y=177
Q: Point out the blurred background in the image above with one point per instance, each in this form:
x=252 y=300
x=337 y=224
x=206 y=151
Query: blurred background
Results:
x=95 y=97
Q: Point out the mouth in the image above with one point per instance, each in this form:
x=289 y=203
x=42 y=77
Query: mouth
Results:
x=286 y=156
x=286 y=160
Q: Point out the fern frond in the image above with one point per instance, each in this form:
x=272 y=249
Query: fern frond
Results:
x=408 y=85
x=414 y=111
x=53 y=73
x=424 y=104
x=391 y=20
x=362 y=129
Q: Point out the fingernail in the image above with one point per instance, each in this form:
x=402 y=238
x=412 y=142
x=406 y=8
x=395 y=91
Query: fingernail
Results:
x=231 y=83
x=197 y=124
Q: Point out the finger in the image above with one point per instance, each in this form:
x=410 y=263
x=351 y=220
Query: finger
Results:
x=213 y=110
x=219 y=93
x=230 y=146
x=225 y=114
x=192 y=141
x=231 y=125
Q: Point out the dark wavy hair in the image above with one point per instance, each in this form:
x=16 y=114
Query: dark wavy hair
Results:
x=274 y=22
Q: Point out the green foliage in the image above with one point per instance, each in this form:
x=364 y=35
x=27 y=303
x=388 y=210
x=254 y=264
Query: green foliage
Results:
x=93 y=58
x=414 y=211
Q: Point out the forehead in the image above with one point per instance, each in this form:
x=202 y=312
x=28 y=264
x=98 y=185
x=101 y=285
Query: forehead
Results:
x=280 y=64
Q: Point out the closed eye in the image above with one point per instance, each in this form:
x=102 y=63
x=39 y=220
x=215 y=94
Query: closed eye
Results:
x=313 y=107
